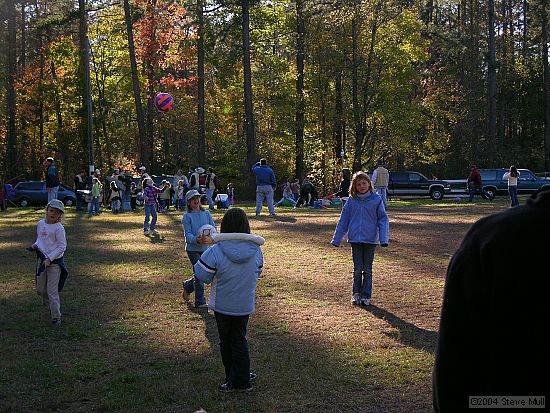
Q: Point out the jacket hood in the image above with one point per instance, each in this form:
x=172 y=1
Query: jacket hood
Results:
x=239 y=251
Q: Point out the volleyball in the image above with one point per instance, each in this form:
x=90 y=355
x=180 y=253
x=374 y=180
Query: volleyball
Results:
x=207 y=230
x=164 y=102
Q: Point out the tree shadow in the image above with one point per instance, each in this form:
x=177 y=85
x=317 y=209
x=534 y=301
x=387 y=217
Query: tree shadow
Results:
x=409 y=334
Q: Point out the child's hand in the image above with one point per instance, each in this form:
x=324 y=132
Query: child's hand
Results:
x=200 y=239
x=47 y=262
x=31 y=248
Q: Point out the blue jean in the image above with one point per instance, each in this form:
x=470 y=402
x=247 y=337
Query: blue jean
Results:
x=181 y=204
x=478 y=189
x=209 y=195
x=363 y=257
x=194 y=284
x=52 y=193
x=95 y=205
x=264 y=191
x=383 y=192
x=78 y=202
x=513 y=191
x=115 y=205
x=234 y=349
x=150 y=211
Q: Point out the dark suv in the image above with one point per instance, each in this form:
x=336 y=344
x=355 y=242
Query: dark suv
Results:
x=494 y=183
x=34 y=192
x=414 y=183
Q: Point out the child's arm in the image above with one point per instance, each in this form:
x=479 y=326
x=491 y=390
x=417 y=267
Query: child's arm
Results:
x=206 y=267
x=342 y=226
x=260 y=262
x=61 y=244
x=190 y=237
x=383 y=225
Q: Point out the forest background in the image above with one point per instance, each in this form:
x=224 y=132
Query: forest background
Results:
x=311 y=85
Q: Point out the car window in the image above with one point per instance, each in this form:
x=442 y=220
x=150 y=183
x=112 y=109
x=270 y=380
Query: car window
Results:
x=30 y=186
x=414 y=177
x=489 y=175
x=400 y=176
x=524 y=174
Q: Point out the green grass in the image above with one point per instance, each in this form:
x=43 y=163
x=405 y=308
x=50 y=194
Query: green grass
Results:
x=129 y=343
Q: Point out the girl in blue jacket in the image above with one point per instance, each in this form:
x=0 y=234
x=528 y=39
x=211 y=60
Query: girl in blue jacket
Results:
x=195 y=243
x=366 y=223
x=233 y=266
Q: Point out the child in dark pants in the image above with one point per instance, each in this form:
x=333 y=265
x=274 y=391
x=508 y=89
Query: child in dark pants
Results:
x=233 y=266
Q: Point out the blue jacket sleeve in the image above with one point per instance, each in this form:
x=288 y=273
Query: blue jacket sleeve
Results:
x=188 y=230
x=260 y=261
x=211 y=220
x=206 y=266
x=342 y=226
x=383 y=224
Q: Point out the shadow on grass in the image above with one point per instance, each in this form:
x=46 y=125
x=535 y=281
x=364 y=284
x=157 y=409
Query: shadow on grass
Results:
x=409 y=334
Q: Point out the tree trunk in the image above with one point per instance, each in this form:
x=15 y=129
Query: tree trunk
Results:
x=300 y=107
x=133 y=69
x=491 y=87
x=201 y=128
x=546 y=86
x=86 y=126
x=248 y=105
x=22 y=63
x=339 y=147
x=12 y=167
x=355 y=95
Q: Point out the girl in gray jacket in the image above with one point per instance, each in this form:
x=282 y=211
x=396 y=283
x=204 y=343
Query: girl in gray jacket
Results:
x=233 y=266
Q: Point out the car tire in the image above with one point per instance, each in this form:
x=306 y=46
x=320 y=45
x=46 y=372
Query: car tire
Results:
x=69 y=201
x=437 y=194
x=492 y=192
x=24 y=202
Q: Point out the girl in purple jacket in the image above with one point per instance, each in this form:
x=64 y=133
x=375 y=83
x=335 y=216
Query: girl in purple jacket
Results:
x=150 y=195
x=366 y=223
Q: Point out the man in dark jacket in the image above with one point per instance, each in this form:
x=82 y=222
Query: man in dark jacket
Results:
x=475 y=185
x=79 y=184
x=493 y=329
x=52 y=178
x=265 y=185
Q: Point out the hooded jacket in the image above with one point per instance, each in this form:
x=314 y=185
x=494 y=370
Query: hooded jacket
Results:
x=233 y=266
x=364 y=220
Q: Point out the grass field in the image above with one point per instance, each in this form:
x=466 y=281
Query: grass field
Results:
x=130 y=343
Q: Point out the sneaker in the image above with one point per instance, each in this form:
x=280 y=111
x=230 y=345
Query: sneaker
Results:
x=154 y=232
x=56 y=322
x=227 y=388
x=146 y=232
x=365 y=301
x=355 y=299
x=201 y=305
x=253 y=376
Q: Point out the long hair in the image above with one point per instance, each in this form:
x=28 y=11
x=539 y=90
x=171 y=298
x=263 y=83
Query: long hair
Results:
x=235 y=220
x=359 y=175
x=513 y=171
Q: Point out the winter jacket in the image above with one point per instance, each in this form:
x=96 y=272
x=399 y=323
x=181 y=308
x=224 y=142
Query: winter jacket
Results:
x=192 y=221
x=364 y=220
x=264 y=175
x=233 y=267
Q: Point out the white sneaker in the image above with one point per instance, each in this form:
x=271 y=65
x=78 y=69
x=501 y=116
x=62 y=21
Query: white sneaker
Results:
x=355 y=299
x=154 y=232
x=146 y=232
x=365 y=301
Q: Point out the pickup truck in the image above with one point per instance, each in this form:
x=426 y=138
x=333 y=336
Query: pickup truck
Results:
x=416 y=184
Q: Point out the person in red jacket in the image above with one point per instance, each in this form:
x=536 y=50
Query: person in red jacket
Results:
x=475 y=185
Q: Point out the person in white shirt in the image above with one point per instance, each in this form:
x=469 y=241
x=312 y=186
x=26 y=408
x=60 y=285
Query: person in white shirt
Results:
x=380 y=179
x=512 y=176
x=50 y=246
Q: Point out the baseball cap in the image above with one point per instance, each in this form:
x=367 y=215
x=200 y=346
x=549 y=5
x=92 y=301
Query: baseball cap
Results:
x=57 y=204
x=191 y=194
x=142 y=168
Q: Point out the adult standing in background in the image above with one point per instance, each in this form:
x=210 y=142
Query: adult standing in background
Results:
x=179 y=176
x=380 y=179
x=475 y=184
x=211 y=180
x=512 y=176
x=52 y=178
x=265 y=185
x=345 y=181
x=195 y=179
x=79 y=184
